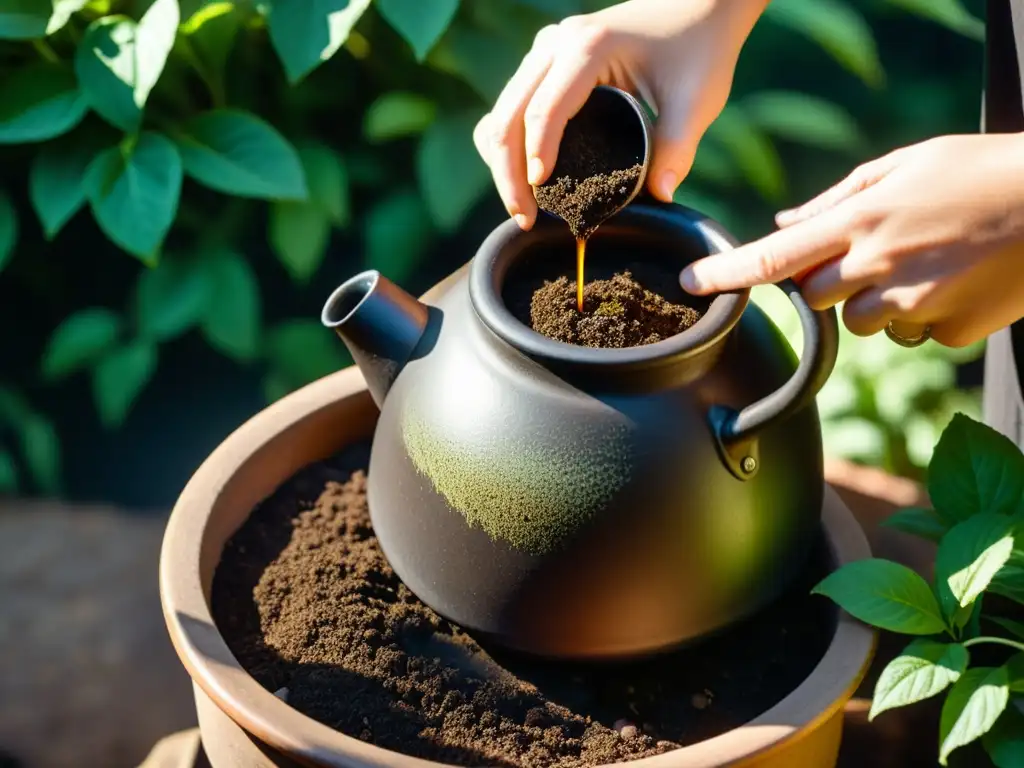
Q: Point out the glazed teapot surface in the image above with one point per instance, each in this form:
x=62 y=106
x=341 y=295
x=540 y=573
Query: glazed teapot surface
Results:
x=579 y=502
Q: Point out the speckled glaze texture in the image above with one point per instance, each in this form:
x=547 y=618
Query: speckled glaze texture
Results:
x=582 y=507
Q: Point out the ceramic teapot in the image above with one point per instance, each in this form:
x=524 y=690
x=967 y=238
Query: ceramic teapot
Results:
x=586 y=503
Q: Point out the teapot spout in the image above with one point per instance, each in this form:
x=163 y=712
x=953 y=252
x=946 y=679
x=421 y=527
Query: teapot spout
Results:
x=380 y=324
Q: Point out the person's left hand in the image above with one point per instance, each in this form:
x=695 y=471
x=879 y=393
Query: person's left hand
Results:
x=930 y=235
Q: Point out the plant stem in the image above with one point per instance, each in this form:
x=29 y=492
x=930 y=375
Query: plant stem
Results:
x=993 y=641
x=44 y=50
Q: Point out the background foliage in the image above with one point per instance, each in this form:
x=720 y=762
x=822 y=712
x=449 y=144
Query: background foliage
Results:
x=185 y=180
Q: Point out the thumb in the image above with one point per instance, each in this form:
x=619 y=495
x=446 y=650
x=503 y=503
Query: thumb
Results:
x=676 y=135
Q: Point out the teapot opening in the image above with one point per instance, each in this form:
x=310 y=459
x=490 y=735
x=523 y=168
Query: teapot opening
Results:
x=652 y=242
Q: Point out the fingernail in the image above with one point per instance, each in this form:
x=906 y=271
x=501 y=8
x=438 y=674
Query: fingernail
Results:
x=522 y=221
x=535 y=170
x=690 y=282
x=667 y=184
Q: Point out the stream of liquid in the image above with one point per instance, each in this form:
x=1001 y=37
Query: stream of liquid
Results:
x=581 y=251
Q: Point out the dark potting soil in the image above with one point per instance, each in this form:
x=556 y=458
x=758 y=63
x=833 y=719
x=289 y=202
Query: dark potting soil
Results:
x=310 y=607
x=618 y=312
x=593 y=176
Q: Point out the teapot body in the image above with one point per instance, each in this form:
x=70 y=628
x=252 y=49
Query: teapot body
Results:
x=569 y=517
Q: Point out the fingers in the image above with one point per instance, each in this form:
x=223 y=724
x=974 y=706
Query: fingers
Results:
x=860 y=179
x=869 y=311
x=500 y=135
x=780 y=255
x=839 y=279
x=675 y=144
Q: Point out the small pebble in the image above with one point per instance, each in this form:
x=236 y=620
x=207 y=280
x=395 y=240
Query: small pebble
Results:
x=629 y=732
x=282 y=694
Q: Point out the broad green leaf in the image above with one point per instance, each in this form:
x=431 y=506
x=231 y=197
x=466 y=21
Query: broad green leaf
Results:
x=483 y=61
x=969 y=556
x=209 y=34
x=8 y=474
x=8 y=229
x=276 y=386
x=306 y=33
x=56 y=181
x=39 y=102
x=751 y=150
x=420 y=22
x=838 y=28
x=231 y=323
x=119 y=61
x=713 y=164
x=924 y=669
x=299 y=233
x=397 y=114
x=299 y=352
x=948 y=13
x=237 y=153
x=14 y=411
x=327 y=180
x=171 y=298
x=79 y=341
x=1004 y=743
x=917 y=521
x=1009 y=583
x=803 y=118
x=194 y=18
x=40 y=447
x=972 y=707
x=30 y=19
x=1015 y=628
x=974 y=469
x=886 y=595
x=452 y=177
x=398 y=234
x=134 y=193
x=120 y=377
x=1015 y=672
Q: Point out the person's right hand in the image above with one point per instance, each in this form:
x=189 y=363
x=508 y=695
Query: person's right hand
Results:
x=678 y=55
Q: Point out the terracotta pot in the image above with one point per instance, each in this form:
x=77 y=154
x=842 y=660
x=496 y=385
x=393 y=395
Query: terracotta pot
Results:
x=245 y=725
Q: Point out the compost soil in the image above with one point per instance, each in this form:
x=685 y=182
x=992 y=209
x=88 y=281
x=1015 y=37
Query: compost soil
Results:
x=310 y=607
x=618 y=312
x=593 y=176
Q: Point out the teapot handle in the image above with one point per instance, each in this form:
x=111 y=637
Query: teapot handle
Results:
x=736 y=431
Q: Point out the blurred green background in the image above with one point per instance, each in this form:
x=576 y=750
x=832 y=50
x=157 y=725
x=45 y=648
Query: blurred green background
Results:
x=183 y=183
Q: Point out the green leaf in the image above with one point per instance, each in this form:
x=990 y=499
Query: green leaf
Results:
x=397 y=114
x=79 y=341
x=917 y=521
x=885 y=594
x=56 y=179
x=1009 y=583
x=1015 y=628
x=752 y=151
x=969 y=556
x=451 y=174
x=8 y=229
x=972 y=707
x=8 y=474
x=1005 y=741
x=39 y=102
x=134 y=193
x=195 y=18
x=924 y=669
x=299 y=233
x=299 y=352
x=275 y=387
x=838 y=28
x=420 y=22
x=119 y=61
x=713 y=164
x=120 y=377
x=483 y=61
x=306 y=33
x=14 y=411
x=41 y=449
x=398 y=234
x=231 y=323
x=1015 y=672
x=327 y=179
x=974 y=469
x=803 y=118
x=210 y=33
x=30 y=19
x=237 y=153
x=948 y=13
x=171 y=298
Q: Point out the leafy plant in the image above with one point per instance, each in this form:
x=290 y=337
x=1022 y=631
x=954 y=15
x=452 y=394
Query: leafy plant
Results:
x=976 y=484
x=198 y=135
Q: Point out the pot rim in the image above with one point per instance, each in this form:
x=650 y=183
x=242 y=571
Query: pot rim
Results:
x=214 y=669
x=507 y=243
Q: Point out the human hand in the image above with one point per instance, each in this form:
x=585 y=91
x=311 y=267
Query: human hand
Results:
x=678 y=55
x=928 y=236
